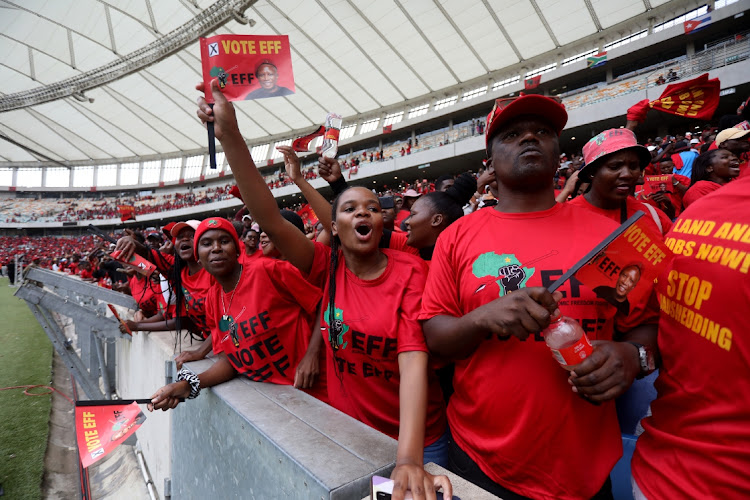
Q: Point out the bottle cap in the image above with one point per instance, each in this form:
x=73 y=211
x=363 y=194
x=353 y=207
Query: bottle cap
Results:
x=555 y=316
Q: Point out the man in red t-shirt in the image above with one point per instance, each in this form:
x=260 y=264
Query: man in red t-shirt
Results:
x=697 y=443
x=521 y=426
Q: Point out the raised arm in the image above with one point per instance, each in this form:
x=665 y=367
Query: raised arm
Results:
x=293 y=244
x=320 y=205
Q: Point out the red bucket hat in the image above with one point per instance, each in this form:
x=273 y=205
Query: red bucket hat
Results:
x=608 y=142
x=216 y=223
x=512 y=107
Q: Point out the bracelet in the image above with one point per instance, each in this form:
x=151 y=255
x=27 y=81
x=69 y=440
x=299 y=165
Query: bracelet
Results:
x=191 y=378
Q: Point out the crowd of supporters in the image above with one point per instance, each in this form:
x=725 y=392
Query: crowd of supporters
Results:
x=419 y=309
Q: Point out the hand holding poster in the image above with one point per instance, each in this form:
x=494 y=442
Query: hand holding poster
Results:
x=247 y=66
x=653 y=184
x=101 y=429
x=621 y=273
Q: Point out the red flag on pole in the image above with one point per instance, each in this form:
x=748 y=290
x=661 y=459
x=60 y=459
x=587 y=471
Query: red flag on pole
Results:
x=127 y=212
x=248 y=66
x=623 y=272
x=307 y=214
x=532 y=82
x=697 y=98
x=102 y=428
x=301 y=144
x=388 y=129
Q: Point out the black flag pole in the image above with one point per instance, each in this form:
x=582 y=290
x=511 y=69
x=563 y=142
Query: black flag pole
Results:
x=211 y=142
x=114 y=402
x=595 y=251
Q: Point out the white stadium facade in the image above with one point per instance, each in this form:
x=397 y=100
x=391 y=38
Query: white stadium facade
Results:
x=99 y=102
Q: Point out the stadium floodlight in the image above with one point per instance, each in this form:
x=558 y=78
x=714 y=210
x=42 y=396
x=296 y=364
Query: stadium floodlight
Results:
x=205 y=22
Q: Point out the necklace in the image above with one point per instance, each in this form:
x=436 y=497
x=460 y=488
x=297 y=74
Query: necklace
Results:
x=227 y=322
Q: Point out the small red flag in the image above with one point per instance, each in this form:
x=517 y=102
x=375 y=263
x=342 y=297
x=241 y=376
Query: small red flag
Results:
x=533 y=82
x=307 y=214
x=127 y=212
x=697 y=98
x=301 y=144
x=623 y=272
x=101 y=429
x=388 y=129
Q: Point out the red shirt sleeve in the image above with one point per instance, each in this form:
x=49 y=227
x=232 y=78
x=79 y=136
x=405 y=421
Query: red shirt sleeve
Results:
x=163 y=262
x=289 y=282
x=318 y=274
x=398 y=242
x=410 y=335
x=441 y=290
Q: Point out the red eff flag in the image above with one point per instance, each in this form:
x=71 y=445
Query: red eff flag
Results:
x=623 y=272
x=101 y=429
x=127 y=212
x=696 y=98
x=307 y=214
x=302 y=144
x=532 y=83
x=247 y=66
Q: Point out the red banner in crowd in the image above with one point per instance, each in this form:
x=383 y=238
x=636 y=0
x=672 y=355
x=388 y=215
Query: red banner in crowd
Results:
x=388 y=129
x=697 y=98
x=101 y=429
x=532 y=83
x=653 y=184
x=302 y=144
x=127 y=212
x=248 y=67
x=623 y=272
x=307 y=214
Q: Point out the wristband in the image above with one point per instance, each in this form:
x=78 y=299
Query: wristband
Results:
x=191 y=378
x=339 y=186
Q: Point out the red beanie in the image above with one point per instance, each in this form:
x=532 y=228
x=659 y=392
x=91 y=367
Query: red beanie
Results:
x=215 y=223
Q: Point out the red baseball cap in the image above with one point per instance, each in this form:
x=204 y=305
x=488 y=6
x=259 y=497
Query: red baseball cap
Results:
x=506 y=109
x=167 y=230
x=216 y=223
x=608 y=142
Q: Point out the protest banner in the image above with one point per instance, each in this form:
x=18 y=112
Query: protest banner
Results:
x=101 y=426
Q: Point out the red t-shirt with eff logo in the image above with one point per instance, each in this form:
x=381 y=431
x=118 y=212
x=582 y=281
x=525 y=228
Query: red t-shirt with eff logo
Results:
x=697 y=443
x=513 y=411
x=194 y=289
x=264 y=325
x=379 y=321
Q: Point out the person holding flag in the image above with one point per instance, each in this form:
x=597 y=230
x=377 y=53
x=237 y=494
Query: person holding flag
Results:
x=377 y=361
x=613 y=163
x=259 y=314
x=485 y=303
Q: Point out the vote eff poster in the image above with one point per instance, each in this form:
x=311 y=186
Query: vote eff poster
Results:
x=622 y=273
x=101 y=429
x=248 y=67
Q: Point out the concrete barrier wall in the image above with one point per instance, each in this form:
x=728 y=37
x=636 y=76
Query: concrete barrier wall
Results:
x=247 y=440
x=141 y=369
x=251 y=440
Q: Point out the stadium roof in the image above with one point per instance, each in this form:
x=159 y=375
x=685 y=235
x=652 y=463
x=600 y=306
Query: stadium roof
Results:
x=355 y=57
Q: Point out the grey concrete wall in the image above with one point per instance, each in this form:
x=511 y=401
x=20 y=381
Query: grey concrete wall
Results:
x=252 y=440
x=140 y=372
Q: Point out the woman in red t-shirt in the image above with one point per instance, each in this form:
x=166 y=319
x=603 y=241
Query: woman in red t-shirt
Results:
x=188 y=281
x=376 y=353
x=250 y=241
x=711 y=170
x=614 y=161
x=435 y=211
x=259 y=314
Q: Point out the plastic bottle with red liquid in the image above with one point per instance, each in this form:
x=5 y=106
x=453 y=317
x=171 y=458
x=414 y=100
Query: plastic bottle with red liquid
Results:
x=567 y=341
x=330 y=147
